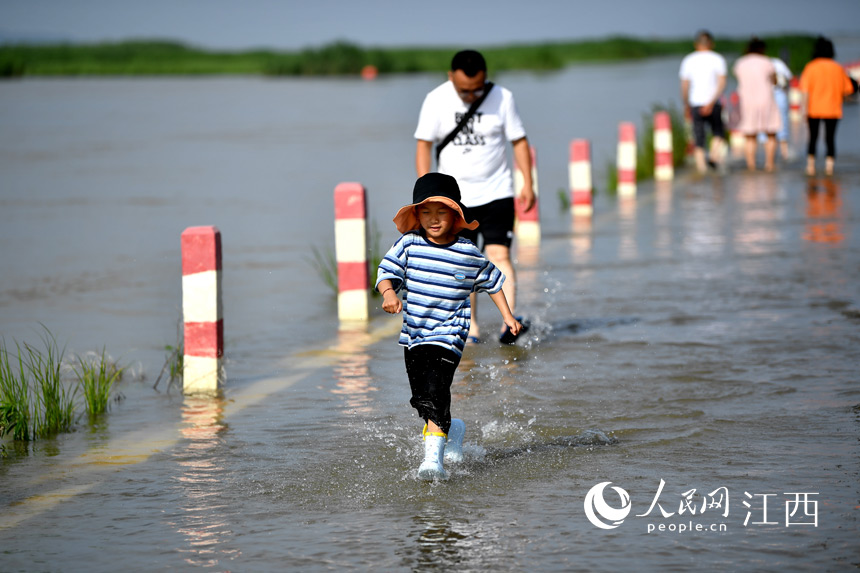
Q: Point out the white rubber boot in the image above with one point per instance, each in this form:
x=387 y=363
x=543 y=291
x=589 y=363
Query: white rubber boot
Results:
x=434 y=450
x=454 y=446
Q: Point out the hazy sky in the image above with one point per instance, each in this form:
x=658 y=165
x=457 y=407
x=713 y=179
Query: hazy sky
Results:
x=289 y=24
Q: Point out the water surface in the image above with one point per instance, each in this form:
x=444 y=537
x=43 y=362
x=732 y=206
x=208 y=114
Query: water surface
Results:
x=704 y=334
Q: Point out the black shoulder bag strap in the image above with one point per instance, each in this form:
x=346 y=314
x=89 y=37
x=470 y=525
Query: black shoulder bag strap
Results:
x=463 y=121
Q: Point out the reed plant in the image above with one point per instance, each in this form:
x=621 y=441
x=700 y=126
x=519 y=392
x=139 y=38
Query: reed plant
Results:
x=324 y=261
x=15 y=410
x=56 y=405
x=563 y=199
x=173 y=363
x=96 y=378
x=37 y=401
x=646 y=154
x=34 y=401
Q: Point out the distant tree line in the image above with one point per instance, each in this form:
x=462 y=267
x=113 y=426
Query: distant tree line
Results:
x=134 y=58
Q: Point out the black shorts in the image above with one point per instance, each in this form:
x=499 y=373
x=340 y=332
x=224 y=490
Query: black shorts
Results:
x=496 y=223
x=714 y=121
x=431 y=369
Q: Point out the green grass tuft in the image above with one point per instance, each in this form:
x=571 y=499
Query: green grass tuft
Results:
x=15 y=410
x=563 y=199
x=324 y=261
x=96 y=378
x=56 y=410
x=173 y=362
x=36 y=401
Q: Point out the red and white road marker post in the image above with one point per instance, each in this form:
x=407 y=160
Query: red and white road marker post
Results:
x=527 y=223
x=664 y=169
x=626 y=159
x=350 y=236
x=202 y=366
x=737 y=140
x=795 y=98
x=579 y=178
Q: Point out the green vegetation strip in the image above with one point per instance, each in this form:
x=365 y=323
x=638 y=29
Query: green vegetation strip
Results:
x=135 y=58
x=37 y=402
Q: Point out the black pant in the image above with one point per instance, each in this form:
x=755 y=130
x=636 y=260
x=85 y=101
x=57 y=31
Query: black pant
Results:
x=829 y=135
x=431 y=369
x=714 y=121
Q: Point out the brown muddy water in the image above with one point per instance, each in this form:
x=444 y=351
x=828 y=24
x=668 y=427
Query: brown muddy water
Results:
x=696 y=347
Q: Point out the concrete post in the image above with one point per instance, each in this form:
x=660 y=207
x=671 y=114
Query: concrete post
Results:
x=795 y=97
x=527 y=223
x=202 y=367
x=664 y=169
x=626 y=159
x=350 y=233
x=579 y=177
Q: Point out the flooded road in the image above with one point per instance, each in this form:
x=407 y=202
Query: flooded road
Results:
x=697 y=347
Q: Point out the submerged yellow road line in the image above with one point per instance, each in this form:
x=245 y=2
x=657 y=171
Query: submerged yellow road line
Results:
x=138 y=446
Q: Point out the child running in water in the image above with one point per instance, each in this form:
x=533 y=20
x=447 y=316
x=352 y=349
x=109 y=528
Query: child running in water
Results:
x=437 y=270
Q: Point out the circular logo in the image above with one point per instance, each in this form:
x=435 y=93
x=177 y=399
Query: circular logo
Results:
x=598 y=511
x=460 y=276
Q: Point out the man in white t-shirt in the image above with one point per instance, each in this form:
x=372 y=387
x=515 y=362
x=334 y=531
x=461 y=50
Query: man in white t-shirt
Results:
x=477 y=159
x=703 y=79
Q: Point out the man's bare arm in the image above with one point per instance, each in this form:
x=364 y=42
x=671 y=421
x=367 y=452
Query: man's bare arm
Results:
x=423 y=157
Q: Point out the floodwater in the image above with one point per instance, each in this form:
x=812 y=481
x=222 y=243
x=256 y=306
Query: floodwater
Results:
x=696 y=346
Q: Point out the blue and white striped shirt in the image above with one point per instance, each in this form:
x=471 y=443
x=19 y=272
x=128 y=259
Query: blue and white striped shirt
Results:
x=437 y=280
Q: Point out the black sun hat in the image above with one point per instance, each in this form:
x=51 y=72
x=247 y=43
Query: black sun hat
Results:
x=433 y=187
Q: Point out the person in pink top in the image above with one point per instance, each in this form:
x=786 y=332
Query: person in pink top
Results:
x=756 y=77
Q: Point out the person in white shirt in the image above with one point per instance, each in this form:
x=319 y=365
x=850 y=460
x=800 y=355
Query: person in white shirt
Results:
x=703 y=80
x=477 y=158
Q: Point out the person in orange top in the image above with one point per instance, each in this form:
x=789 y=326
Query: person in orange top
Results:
x=824 y=84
